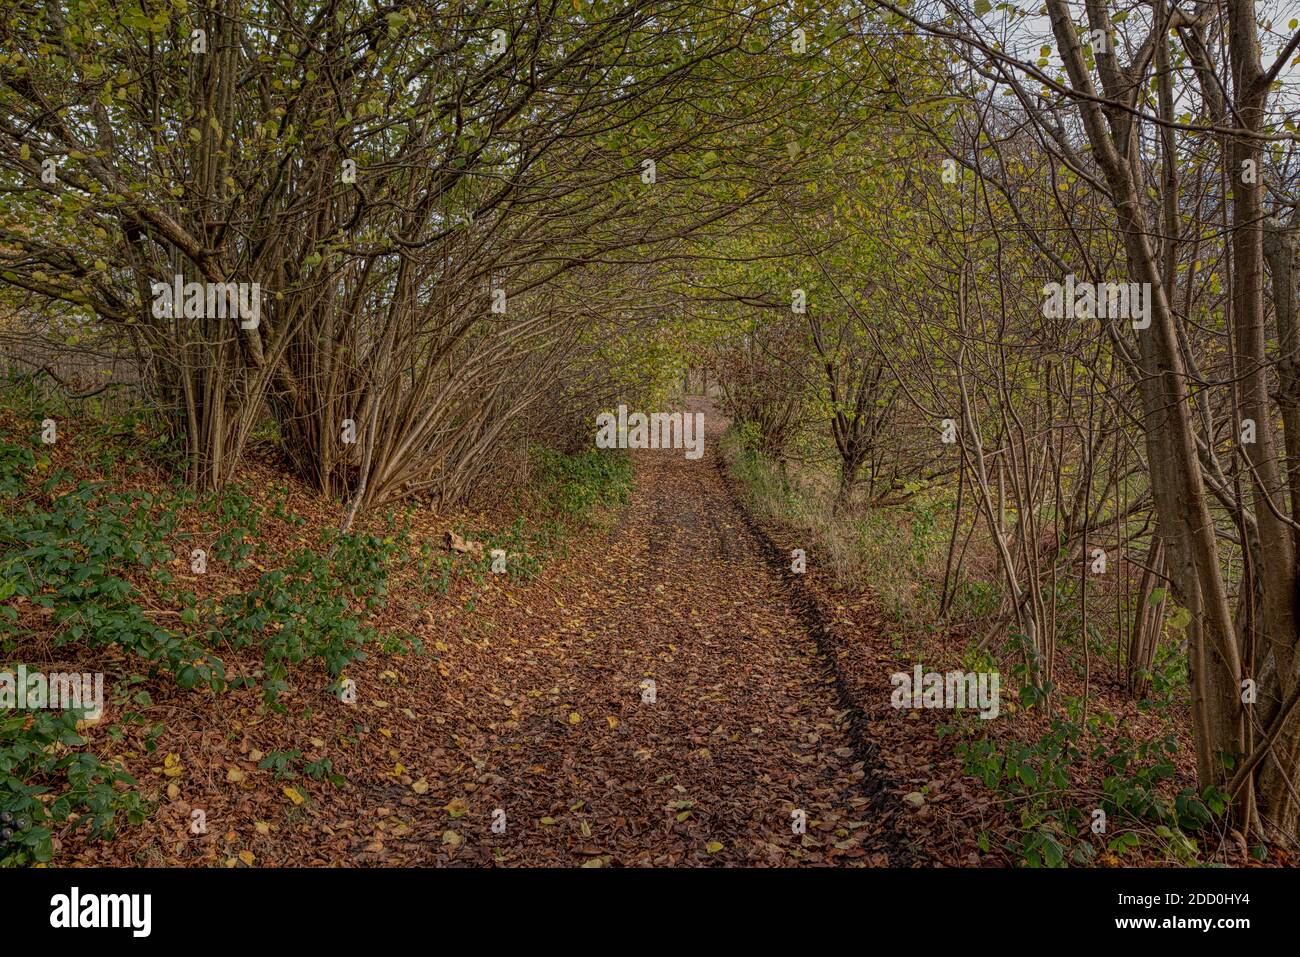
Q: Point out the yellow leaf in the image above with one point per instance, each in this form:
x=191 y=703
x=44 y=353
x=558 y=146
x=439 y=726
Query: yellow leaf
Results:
x=458 y=807
x=262 y=827
x=293 y=795
x=172 y=766
x=420 y=786
x=547 y=821
x=574 y=717
x=247 y=858
x=612 y=721
x=173 y=791
x=713 y=847
x=234 y=775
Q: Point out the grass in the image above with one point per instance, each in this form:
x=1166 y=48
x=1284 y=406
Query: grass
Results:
x=900 y=551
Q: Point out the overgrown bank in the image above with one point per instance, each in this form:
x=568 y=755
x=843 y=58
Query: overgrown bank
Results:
x=239 y=609
x=1033 y=785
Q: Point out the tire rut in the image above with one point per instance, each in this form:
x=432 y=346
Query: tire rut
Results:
x=808 y=609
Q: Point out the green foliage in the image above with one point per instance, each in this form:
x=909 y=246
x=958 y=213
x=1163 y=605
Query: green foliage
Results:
x=280 y=509
x=768 y=492
x=323 y=770
x=576 y=486
x=572 y=489
x=1034 y=777
x=130 y=707
x=746 y=436
x=15 y=462
x=974 y=599
x=44 y=781
x=433 y=567
x=74 y=558
x=282 y=764
x=1168 y=673
x=311 y=608
x=285 y=764
x=523 y=548
x=238 y=521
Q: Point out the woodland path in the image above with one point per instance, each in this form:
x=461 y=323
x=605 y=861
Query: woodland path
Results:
x=528 y=700
x=747 y=725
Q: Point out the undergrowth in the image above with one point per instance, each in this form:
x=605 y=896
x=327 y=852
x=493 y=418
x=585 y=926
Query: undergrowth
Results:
x=899 y=553
x=87 y=566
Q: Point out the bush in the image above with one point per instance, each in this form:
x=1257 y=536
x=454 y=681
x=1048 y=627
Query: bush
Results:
x=72 y=558
x=1035 y=778
x=44 y=782
x=575 y=486
x=309 y=609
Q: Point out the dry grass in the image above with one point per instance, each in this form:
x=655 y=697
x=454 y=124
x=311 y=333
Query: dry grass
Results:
x=899 y=552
